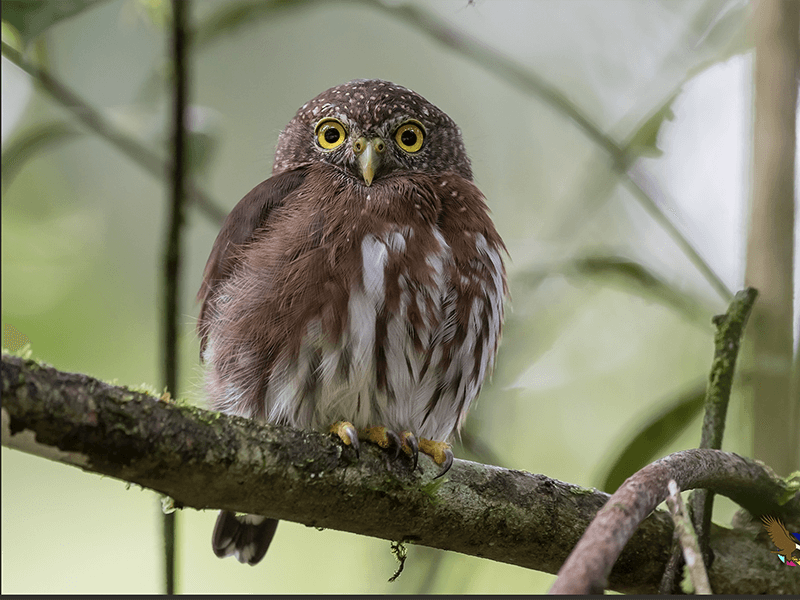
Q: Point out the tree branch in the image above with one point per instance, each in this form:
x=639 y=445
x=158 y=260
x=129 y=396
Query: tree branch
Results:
x=727 y=340
x=684 y=531
x=205 y=460
x=747 y=482
x=181 y=11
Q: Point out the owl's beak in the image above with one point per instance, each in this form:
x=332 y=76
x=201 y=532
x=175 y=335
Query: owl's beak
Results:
x=369 y=159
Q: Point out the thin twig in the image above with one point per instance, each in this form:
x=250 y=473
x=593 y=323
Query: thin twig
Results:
x=727 y=340
x=688 y=540
x=174 y=241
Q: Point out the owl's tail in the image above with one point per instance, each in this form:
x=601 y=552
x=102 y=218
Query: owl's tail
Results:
x=247 y=537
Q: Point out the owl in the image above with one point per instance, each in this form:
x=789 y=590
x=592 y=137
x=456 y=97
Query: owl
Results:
x=358 y=290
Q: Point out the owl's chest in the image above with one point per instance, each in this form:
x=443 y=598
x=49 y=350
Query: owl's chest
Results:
x=367 y=352
x=389 y=282
x=360 y=315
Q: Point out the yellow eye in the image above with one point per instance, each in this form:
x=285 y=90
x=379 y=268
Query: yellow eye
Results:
x=409 y=136
x=330 y=134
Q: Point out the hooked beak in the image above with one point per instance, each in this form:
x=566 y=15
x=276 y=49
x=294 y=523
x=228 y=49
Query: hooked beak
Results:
x=369 y=159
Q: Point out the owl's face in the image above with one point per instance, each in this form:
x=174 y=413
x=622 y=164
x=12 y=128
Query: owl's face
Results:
x=372 y=130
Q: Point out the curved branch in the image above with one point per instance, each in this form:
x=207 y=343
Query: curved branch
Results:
x=204 y=460
x=749 y=483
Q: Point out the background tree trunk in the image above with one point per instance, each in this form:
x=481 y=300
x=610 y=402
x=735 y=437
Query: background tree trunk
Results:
x=770 y=244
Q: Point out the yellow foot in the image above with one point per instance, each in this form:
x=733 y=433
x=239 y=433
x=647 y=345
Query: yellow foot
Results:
x=387 y=439
x=347 y=433
x=440 y=452
x=382 y=436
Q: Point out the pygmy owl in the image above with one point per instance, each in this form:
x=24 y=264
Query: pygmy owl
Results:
x=359 y=289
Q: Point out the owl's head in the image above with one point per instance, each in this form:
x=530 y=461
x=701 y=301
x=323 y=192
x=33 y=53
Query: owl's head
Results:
x=371 y=130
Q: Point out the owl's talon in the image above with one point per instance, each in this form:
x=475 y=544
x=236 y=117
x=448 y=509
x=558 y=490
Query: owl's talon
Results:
x=410 y=446
x=347 y=433
x=394 y=442
x=440 y=452
x=448 y=462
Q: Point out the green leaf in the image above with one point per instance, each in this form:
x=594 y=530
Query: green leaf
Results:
x=32 y=17
x=11 y=36
x=31 y=141
x=654 y=435
x=644 y=141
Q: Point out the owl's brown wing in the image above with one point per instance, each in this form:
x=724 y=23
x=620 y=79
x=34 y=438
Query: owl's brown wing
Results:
x=239 y=228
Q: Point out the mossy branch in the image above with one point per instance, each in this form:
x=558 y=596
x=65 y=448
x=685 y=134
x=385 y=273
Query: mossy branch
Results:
x=206 y=460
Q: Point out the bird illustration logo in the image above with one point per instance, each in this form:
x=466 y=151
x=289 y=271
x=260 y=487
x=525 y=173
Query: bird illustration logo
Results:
x=786 y=542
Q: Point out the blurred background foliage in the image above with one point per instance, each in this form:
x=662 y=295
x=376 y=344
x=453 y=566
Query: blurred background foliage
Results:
x=611 y=138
